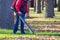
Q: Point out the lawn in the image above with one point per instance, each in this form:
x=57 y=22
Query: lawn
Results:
x=7 y=32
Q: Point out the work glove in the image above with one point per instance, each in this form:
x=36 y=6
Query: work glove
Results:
x=19 y=12
x=26 y=15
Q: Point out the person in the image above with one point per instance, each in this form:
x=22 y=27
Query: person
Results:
x=17 y=6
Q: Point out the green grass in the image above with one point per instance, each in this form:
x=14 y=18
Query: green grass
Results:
x=9 y=33
x=48 y=34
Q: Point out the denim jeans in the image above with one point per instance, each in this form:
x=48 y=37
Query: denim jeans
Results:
x=21 y=23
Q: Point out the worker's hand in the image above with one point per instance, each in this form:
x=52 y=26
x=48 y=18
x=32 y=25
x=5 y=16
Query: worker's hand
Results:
x=26 y=15
x=19 y=12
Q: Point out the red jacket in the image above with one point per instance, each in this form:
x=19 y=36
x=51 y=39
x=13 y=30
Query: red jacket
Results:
x=18 y=3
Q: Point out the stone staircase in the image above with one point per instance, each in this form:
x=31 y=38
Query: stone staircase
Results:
x=43 y=25
x=39 y=23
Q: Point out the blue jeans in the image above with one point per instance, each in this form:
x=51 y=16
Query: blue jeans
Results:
x=17 y=23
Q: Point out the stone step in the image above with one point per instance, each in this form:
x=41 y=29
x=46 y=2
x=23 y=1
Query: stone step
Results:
x=47 y=30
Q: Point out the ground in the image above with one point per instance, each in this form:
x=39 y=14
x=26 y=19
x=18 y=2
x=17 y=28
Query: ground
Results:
x=44 y=28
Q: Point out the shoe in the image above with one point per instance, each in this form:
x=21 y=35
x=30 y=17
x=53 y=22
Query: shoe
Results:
x=23 y=33
x=14 y=33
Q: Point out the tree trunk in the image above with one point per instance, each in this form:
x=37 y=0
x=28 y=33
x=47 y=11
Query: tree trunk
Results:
x=58 y=5
x=49 y=9
x=6 y=14
x=55 y=3
x=38 y=6
x=42 y=3
x=34 y=5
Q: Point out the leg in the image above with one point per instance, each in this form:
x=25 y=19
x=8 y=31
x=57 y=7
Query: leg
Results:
x=16 y=24
x=22 y=24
